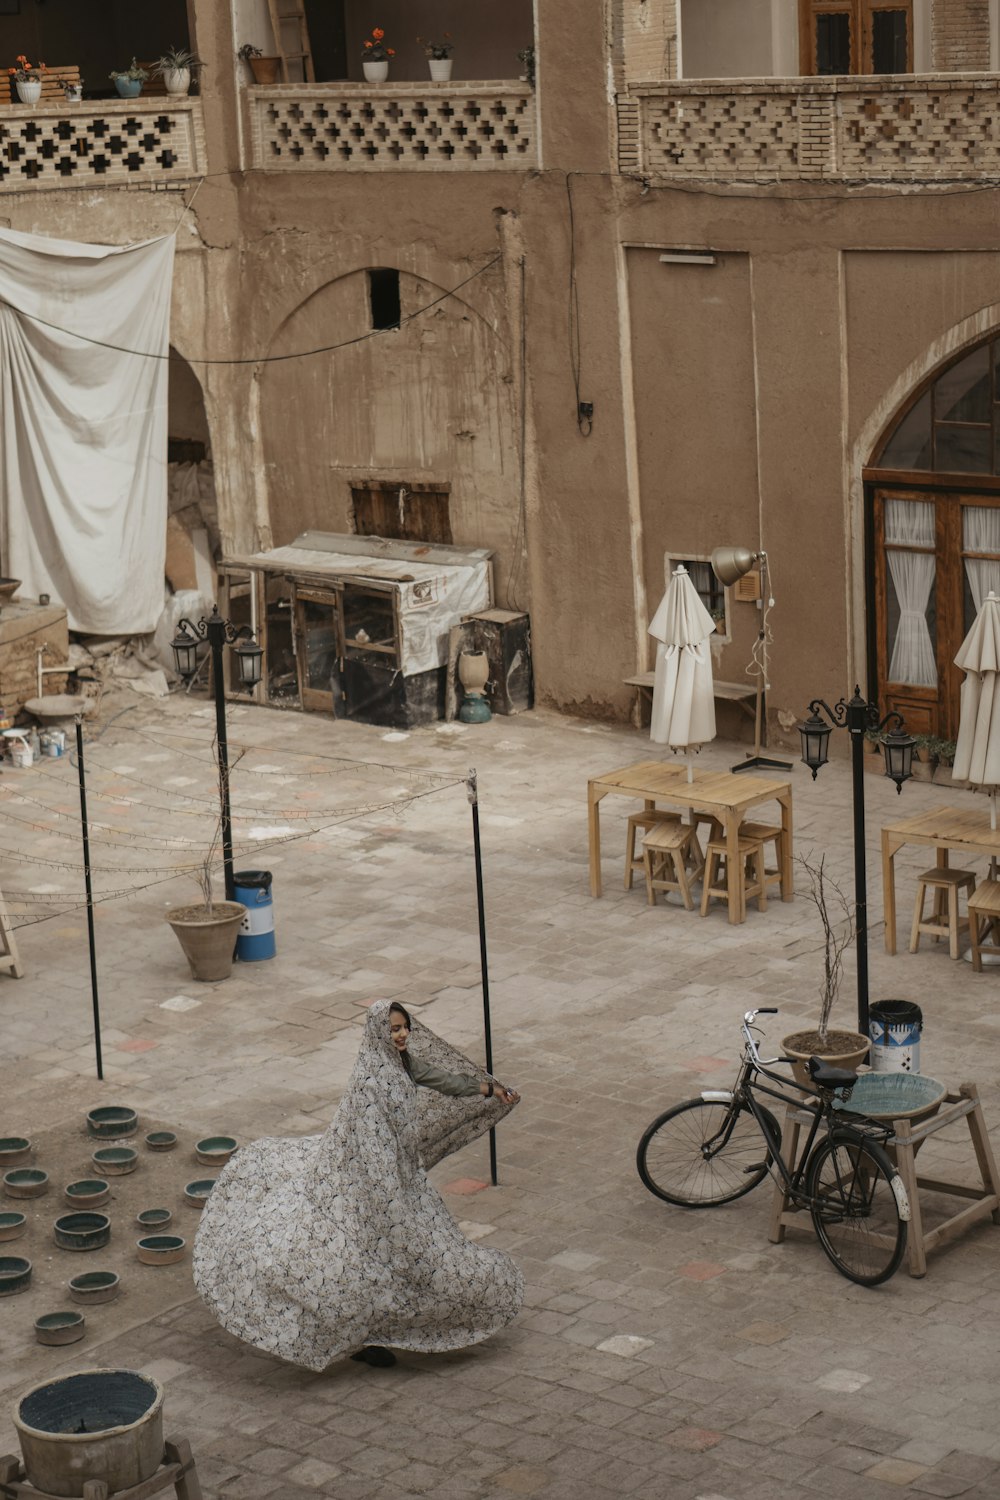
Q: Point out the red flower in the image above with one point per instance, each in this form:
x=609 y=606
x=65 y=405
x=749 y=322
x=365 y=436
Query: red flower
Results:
x=378 y=33
x=391 y=51
x=367 y=45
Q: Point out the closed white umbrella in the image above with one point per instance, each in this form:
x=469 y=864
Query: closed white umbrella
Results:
x=977 y=751
x=683 y=715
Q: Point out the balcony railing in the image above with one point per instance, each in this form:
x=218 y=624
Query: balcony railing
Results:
x=116 y=142
x=913 y=129
x=436 y=127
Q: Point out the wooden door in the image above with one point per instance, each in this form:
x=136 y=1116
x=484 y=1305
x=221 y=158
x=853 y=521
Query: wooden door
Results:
x=840 y=37
x=319 y=646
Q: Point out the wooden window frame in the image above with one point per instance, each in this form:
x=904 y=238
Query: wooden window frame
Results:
x=862 y=44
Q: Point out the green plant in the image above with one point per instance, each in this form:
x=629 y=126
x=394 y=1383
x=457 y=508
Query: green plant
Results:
x=247 y=51
x=526 y=57
x=437 y=50
x=374 y=49
x=174 y=60
x=936 y=751
x=133 y=71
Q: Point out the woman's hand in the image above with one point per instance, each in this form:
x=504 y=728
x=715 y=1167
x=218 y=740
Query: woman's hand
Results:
x=498 y=1091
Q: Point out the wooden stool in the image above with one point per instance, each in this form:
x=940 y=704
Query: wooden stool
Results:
x=768 y=833
x=664 y=849
x=178 y=1474
x=984 y=906
x=650 y=818
x=946 y=885
x=752 y=883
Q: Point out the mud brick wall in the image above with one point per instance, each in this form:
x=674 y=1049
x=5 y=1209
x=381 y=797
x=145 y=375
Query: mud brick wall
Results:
x=960 y=36
x=649 y=40
x=23 y=628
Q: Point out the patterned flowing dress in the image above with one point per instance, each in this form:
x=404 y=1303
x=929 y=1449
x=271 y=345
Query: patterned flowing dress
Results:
x=311 y=1248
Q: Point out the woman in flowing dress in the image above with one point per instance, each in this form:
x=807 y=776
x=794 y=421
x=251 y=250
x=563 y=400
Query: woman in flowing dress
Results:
x=321 y=1246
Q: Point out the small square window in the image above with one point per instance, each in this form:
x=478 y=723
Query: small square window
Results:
x=708 y=588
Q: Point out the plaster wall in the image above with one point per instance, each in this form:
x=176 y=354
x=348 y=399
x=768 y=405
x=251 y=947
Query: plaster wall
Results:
x=726 y=38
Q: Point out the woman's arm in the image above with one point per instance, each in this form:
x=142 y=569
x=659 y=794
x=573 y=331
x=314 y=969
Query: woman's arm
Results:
x=456 y=1085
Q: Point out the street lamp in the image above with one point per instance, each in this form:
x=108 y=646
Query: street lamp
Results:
x=218 y=633
x=857 y=717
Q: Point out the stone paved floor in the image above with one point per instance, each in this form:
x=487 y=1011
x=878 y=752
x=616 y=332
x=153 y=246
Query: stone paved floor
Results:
x=659 y=1354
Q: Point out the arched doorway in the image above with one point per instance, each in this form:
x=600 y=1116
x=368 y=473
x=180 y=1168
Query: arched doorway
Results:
x=933 y=493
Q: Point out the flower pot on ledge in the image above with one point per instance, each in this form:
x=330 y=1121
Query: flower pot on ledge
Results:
x=440 y=69
x=376 y=72
x=29 y=90
x=265 y=69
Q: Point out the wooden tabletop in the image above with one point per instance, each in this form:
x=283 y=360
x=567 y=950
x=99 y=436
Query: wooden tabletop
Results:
x=709 y=789
x=955 y=825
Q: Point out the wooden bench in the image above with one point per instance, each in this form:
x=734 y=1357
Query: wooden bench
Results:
x=743 y=693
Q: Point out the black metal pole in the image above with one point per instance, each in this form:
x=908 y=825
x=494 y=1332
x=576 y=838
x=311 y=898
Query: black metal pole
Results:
x=857 y=721
x=473 y=787
x=217 y=640
x=90 y=897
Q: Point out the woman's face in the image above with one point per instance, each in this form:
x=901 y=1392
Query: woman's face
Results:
x=399 y=1031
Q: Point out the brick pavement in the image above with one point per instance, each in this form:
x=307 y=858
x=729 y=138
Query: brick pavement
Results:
x=659 y=1353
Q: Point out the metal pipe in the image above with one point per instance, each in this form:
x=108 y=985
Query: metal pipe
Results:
x=95 y=998
x=473 y=788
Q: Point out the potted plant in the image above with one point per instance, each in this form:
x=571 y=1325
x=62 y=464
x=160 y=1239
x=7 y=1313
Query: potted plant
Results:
x=844 y=1049
x=438 y=55
x=177 y=67
x=129 y=81
x=74 y=91
x=526 y=57
x=27 y=80
x=207 y=930
x=264 y=69
x=375 y=57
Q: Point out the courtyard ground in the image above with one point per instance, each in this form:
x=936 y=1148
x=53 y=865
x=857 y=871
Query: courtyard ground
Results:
x=659 y=1353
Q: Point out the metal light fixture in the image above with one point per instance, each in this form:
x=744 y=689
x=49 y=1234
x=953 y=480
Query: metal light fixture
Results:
x=815 y=734
x=185 y=648
x=897 y=748
x=249 y=657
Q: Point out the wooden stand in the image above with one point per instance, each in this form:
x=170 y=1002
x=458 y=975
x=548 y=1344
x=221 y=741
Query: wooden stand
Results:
x=909 y=1136
x=178 y=1473
x=9 y=958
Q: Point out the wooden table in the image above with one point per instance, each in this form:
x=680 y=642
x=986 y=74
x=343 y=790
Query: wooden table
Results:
x=720 y=794
x=943 y=829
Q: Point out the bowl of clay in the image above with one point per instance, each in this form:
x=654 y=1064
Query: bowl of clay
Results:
x=95 y=1286
x=90 y=1192
x=82 y=1231
x=196 y=1193
x=112 y=1121
x=15 y=1274
x=115 y=1161
x=12 y=1226
x=215 y=1150
x=14 y=1149
x=25 y=1182
x=60 y=1327
x=160 y=1249
x=153 y=1218
x=161 y=1140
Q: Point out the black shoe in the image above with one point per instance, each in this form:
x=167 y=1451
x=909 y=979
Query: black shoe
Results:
x=374 y=1354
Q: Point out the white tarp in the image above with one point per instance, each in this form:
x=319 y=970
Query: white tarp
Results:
x=83 y=468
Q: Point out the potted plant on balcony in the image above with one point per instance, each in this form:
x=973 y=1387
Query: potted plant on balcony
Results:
x=264 y=69
x=844 y=1049
x=74 y=91
x=375 y=57
x=526 y=57
x=27 y=80
x=438 y=55
x=129 y=81
x=177 y=67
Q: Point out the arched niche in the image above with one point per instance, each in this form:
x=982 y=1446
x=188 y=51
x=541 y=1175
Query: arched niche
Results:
x=193 y=541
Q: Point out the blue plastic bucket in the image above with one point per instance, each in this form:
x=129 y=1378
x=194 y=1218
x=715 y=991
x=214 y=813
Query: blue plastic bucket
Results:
x=255 y=939
x=894 y=1027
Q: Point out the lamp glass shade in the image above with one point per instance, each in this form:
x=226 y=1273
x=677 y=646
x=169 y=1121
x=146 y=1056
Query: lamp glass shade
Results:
x=815 y=736
x=185 y=648
x=249 y=657
x=897 y=748
x=731 y=563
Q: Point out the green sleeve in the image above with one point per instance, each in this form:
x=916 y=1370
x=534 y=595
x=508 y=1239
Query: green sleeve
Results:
x=455 y=1085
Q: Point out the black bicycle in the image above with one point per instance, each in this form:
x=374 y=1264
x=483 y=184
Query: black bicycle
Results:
x=714 y=1149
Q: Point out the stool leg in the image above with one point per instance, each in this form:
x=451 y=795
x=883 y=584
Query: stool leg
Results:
x=695 y=856
x=706 y=885
x=681 y=876
x=629 y=855
x=941 y=906
x=918 y=916
x=977 y=962
x=953 y=922
x=648 y=866
x=758 y=863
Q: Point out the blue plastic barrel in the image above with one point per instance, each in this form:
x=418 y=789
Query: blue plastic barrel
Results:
x=255 y=939
x=894 y=1028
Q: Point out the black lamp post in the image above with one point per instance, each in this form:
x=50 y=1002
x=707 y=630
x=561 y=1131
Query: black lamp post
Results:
x=857 y=717
x=218 y=633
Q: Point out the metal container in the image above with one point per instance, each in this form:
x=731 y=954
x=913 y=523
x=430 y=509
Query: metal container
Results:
x=95 y=1424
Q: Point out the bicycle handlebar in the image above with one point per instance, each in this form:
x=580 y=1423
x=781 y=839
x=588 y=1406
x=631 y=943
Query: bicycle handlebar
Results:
x=748 y=1020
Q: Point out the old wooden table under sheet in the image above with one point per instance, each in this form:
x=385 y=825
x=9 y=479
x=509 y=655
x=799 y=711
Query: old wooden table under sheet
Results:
x=943 y=828
x=720 y=794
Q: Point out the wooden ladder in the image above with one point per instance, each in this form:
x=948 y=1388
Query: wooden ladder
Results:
x=291 y=14
x=9 y=958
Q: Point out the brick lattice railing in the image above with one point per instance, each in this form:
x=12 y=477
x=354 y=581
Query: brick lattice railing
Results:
x=114 y=142
x=854 y=129
x=357 y=126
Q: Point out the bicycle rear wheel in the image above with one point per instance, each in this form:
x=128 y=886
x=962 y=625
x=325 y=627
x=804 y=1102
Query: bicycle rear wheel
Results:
x=855 y=1210
x=704 y=1152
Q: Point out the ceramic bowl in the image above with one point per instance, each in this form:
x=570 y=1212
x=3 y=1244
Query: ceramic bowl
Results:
x=25 y=1182
x=115 y=1161
x=60 y=1327
x=82 y=1231
x=12 y=1225
x=161 y=1249
x=95 y=1286
x=15 y=1274
x=153 y=1218
x=91 y=1192
x=14 y=1149
x=111 y=1121
x=161 y=1140
x=215 y=1150
x=196 y=1193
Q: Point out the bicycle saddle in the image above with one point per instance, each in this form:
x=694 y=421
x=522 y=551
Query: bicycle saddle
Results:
x=831 y=1078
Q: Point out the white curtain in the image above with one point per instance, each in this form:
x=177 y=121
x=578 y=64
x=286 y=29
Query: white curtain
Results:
x=911 y=524
x=981 y=533
x=83 y=468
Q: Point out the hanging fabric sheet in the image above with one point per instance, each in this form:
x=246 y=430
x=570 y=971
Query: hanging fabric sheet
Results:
x=83 y=468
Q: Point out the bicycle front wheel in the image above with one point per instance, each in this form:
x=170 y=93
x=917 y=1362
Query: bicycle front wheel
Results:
x=704 y=1152
x=854 y=1207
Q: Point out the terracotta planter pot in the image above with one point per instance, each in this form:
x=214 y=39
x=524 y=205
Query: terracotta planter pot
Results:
x=843 y=1049
x=208 y=941
x=265 y=69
